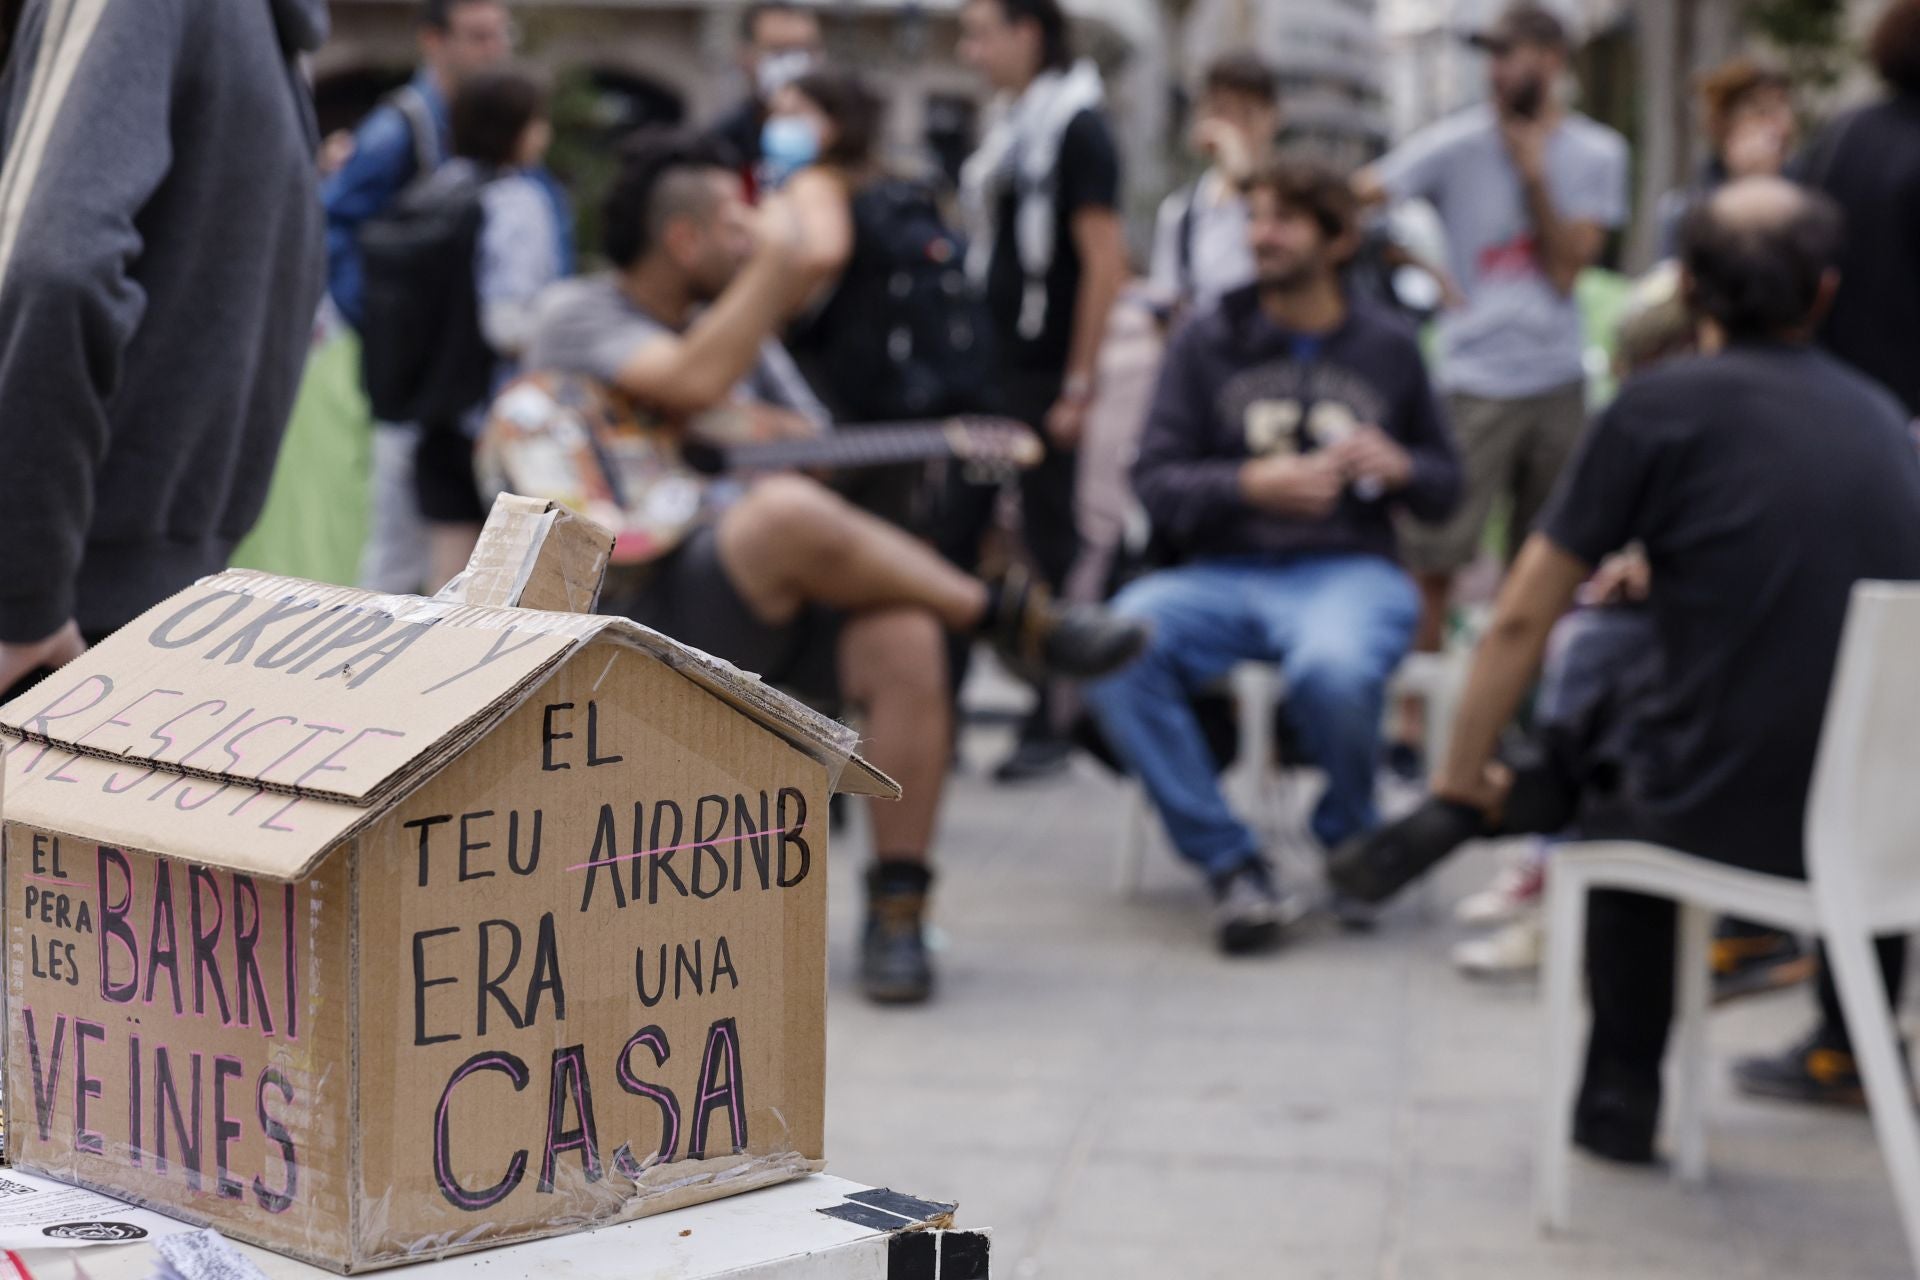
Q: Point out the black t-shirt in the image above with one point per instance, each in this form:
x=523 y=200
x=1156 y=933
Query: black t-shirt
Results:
x=1764 y=482
x=1870 y=163
x=1087 y=176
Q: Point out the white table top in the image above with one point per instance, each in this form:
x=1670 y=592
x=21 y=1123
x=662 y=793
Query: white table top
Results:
x=769 y=1235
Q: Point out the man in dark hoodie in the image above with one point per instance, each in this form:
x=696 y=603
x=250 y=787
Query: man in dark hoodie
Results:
x=160 y=263
x=1287 y=425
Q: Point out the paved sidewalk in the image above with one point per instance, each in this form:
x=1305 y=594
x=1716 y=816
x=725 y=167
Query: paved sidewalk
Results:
x=1115 y=1100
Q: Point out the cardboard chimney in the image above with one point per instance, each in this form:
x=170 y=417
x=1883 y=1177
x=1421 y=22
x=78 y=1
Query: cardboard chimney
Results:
x=371 y=929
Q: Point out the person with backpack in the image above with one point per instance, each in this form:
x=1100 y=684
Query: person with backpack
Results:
x=401 y=139
x=1200 y=248
x=890 y=330
x=450 y=277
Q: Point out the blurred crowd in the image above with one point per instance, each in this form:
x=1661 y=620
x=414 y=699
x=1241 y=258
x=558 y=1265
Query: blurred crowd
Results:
x=1351 y=431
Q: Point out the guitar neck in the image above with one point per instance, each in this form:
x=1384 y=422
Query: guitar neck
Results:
x=878 y=445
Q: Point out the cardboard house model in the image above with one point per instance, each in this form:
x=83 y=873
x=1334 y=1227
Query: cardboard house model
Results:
x=371 y=929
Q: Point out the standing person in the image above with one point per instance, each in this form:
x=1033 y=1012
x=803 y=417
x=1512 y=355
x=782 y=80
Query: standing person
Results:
x=500 y=133
x=160 y=263
x=1287 y=425
x=1718 y=466
x=1869 y=162
x=405 y=137
x=1528 y=192
x=1043 y=198
x=779 y=42
x=1751 y=126
x=1200 y=250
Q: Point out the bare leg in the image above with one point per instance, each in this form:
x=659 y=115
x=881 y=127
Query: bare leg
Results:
x=792 y=542
x=449 y=547
x=1436 y=594
x=893 y=664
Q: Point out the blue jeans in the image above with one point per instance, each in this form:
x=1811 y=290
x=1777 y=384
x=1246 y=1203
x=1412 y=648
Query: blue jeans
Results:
x=1337 y=625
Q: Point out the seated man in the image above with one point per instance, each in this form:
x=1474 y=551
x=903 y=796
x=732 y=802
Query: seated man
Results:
x=789 y=580
x=1763 y=479
x=1287 y=424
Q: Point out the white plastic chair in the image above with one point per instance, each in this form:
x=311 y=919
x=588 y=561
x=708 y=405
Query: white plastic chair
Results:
x=1258 y=688
x=1863 y=860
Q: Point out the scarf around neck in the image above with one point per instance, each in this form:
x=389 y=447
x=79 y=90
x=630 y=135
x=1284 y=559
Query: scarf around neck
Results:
x=1020 y=153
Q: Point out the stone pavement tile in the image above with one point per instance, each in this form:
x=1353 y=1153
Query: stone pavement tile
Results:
x=874 y=1047
x=1627 y=1219
x=1490 y=1135
x=1306 y=1133
x=1796 y=1223
x=1079 y=1257
x=1236 y=1205
x=1023 y=1121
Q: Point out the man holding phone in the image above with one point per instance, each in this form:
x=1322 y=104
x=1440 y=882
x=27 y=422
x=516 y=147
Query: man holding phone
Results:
x=1528 y=191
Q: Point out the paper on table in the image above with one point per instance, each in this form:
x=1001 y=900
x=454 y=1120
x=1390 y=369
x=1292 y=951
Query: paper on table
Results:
x=203 y=1255
x=38 y=1213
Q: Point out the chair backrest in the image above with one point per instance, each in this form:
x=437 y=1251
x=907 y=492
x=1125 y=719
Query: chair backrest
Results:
x=1863 y=814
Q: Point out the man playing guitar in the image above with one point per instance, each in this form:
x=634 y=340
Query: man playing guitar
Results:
x=789 y=579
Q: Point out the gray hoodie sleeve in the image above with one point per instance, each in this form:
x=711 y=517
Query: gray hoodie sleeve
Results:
x=87 y=98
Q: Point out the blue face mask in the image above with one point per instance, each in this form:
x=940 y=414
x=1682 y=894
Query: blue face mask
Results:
x=788 y=144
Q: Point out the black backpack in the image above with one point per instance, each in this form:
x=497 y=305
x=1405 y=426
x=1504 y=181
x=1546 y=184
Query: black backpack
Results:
x=423 y=355
x=904 y=336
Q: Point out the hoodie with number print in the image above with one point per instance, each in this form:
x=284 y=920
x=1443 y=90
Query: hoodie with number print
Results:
x=161 y=260
x=1235 y=386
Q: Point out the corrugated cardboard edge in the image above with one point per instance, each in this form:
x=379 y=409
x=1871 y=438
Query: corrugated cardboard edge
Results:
x=827 y=741
x=534 y=554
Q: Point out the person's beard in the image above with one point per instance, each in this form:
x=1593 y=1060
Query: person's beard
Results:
x=1288 y=278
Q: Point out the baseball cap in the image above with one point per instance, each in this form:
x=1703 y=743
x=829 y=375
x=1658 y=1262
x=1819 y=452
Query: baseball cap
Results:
x=1522 y=24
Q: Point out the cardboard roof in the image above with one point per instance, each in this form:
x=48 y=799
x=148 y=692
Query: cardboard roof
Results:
x=298 y=710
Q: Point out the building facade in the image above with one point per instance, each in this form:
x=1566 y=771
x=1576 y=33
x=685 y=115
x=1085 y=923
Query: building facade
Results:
x=672 y=61
x=1328 y=55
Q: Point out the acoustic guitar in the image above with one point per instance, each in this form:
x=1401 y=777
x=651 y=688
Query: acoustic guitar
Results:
x=572 y=440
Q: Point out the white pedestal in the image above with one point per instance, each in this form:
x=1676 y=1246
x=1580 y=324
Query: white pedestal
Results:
x=817 y=1228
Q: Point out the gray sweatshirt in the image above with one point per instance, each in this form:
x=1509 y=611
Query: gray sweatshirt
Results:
x=160 y=264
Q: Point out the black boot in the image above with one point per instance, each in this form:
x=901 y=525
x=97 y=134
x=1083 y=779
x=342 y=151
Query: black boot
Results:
x=894 y=965
x=1371 y=868
x=1039 y=636
x=1819 y=1069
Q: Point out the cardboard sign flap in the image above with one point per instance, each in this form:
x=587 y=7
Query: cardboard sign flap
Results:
x=534 y=554
x=230 y=826
x=833 y=744
x=296 y=687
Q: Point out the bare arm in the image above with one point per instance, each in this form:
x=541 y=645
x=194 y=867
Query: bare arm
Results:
x=1368 y=188
x=692 y=372
x=824 y=208
x=1505 y=663
x=1567 y=246
x=1101 y=242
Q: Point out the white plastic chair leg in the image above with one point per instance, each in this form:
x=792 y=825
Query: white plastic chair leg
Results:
x=1130 y=863
x=1693 y=990
x=1560 y=989
x=1254 y=691
x=1856 y=971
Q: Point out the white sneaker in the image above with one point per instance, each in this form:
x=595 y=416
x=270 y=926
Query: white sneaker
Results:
x=1508 y=896
x=1514 y=952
